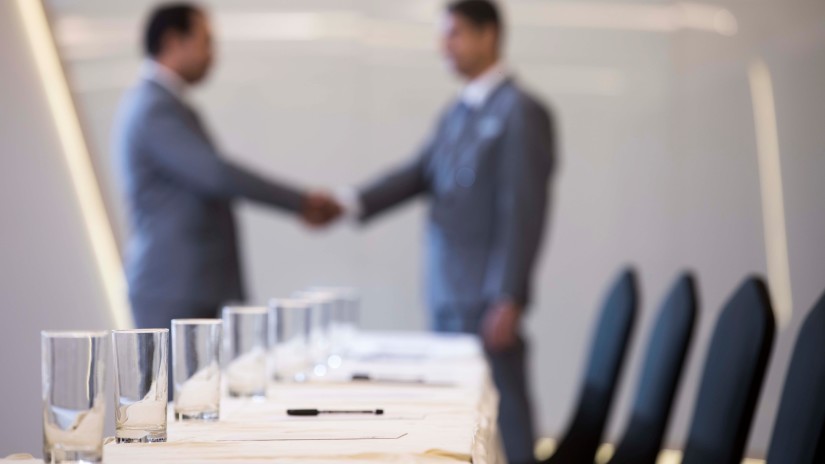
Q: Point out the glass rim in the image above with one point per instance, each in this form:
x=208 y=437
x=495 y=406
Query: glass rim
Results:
x=139 y=331
x=290 y=303
x=340 y=291
x=315 y=297
x=74 y=333
x=197 y=321
x=245 y=309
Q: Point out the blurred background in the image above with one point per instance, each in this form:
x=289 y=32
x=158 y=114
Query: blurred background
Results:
x=690 y=137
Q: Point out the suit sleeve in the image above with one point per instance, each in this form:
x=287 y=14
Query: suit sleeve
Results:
x=521 y=203
x=396 y=186
x=186 y=155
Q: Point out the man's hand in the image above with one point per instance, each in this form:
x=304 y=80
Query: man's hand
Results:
x=500 y=328
x=320 y=209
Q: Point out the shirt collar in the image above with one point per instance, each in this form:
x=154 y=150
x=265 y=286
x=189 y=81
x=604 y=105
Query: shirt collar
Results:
x=477 y=91
x=166 y=78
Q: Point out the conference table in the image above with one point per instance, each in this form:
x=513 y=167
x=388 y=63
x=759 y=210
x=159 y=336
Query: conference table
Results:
x=438 y=401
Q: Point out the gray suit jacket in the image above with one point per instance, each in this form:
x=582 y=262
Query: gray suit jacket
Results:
x=179 y=191
x=486 y=172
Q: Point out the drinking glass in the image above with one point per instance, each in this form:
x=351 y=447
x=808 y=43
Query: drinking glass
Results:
x=196 y=345
x=320 y=309
x=73 y=373
x=141 y=384
x=289 y=339
x=346 y=317
x=343 y=320
x=246 y=344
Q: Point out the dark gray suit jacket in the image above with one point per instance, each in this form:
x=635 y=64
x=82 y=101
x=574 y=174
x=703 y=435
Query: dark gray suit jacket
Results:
x=486 y=172
x=179 y=190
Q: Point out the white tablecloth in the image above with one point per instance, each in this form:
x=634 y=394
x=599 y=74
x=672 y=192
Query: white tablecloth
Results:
x=450 y=418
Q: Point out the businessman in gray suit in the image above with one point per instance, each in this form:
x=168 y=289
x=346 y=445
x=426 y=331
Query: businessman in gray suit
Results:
x=182 y=259
x=486 y=171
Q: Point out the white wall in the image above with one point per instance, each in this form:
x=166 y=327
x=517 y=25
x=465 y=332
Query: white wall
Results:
x=658 y=153
x=47 y=277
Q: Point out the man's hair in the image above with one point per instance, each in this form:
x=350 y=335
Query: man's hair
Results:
x=175 y=17
x=481 y=13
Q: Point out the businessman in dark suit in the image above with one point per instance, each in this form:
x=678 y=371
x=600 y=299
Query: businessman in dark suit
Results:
x=485 y=171
x=182 y=259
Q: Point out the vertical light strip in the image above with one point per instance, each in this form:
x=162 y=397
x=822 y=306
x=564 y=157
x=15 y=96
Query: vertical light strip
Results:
x=770 y=179
x=77 y=156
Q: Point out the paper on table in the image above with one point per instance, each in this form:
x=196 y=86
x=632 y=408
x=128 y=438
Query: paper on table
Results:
x=260 y=430
x=263 y=437
x=416 y=347
x=240 y=411
x=276 y=452
x=349 y=418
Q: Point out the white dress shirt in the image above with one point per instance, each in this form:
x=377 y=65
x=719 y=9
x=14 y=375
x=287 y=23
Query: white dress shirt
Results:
x=474 y=94
x=477 y=91
x=166 y=78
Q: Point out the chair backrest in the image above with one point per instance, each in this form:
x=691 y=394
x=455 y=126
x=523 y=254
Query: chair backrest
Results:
x=732 y=378
x=799 y=429
x=607 y=353
x=661 y=371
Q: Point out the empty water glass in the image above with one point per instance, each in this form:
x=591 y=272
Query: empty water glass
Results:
x=344 y=320
x=141 y=384
x=73 y=373
x=196 y=370
x=289 y=339
x=351 y=317
x=320 y=309
x=246 y=344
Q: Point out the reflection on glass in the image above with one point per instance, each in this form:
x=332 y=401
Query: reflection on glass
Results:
x=320 y=310
x=289 y=338
x=196 y=367
x=141 y=384
x=246 y=342
x=73 y=372
x=343 y=320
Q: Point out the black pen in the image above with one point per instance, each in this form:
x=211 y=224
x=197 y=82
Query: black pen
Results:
x=369 y=378
x=362 y=377
x=316 y=412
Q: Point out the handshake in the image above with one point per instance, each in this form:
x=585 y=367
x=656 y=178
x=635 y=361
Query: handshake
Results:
x=320 y=209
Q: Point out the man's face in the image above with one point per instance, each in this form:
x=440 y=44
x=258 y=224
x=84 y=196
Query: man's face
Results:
x=194 y=50
x=467 y=47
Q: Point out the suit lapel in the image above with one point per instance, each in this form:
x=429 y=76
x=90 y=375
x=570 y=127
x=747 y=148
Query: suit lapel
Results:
x=191 y=115
x=196 y=121
x=462 y=129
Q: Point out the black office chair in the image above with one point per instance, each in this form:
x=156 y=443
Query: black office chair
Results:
x=662 y=368
x=607 y=353
x=799 y=429
x=732 y=378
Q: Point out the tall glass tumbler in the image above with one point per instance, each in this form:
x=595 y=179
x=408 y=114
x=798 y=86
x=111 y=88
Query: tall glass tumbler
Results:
x=141 y=384
x=196 y=346
x=320 y=310
x=351 y=316
x=289 y=339
x=73 y=374
x=344 y=319
x=246 y=345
